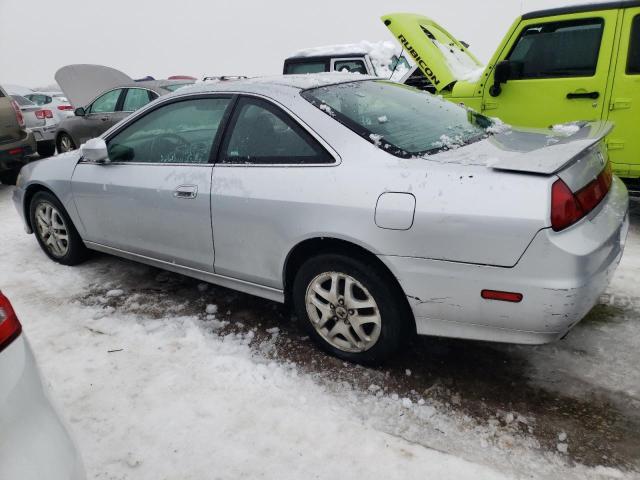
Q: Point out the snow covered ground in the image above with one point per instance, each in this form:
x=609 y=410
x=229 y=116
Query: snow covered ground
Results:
x=162 y=377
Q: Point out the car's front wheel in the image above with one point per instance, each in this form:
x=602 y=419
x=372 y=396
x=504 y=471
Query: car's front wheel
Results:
x=54 y=230
x=352 y=309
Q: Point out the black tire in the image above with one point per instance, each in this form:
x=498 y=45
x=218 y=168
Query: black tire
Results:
x=76 y=251
x=395 y=317
x=9 y=177
x=46 y=148
x=60 y=142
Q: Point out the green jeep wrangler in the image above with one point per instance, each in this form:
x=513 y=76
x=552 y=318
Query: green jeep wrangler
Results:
x=553 y=66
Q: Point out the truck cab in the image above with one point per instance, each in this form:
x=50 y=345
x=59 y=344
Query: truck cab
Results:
x=553 y=66
x=367 y=58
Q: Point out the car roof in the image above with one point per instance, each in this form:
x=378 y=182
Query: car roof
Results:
x=277 y=83
x=586 y=7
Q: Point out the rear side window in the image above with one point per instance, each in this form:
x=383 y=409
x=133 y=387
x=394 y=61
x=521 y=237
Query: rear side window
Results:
x=135 y=98
x=263 y=134
x=633 y=62
x=306 y=67
x=558 y=49
x=352 y=66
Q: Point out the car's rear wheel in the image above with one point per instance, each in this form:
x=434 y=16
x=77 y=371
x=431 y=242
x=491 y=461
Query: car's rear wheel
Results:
x=350 y=308
x=65 y=143
x=46 y=148
x=54 y=230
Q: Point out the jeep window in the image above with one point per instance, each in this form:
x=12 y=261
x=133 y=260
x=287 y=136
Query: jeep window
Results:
x=558 y=49
x=351 y=66
x=633 y=62
x=401 y=120
x=306 y=67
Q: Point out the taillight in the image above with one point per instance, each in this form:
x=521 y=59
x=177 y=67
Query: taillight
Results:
x=65 y=107
x=42 y=114
x=19 y=116
x=10 y=327
x=568 y=207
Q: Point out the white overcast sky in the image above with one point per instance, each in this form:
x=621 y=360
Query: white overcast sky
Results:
x=218 y=37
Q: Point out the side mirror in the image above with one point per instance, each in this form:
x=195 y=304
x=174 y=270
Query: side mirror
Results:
x=79 y=112
x=95 y=150
x=501 y=74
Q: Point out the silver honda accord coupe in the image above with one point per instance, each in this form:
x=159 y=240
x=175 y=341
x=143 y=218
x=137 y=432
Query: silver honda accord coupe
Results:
x=375 y=209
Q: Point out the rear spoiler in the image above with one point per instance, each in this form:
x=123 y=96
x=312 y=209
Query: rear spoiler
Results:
x=555 y=157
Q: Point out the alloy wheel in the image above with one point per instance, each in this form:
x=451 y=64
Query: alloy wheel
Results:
x=343 y=312
x=66 y=144
x=52 y=229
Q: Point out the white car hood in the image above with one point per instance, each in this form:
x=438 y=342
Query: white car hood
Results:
x=83 y=82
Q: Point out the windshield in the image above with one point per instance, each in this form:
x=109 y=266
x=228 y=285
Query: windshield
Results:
x=23 y=102
x=401 y=120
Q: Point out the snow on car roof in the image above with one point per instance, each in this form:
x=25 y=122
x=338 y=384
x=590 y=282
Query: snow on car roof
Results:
x=258 y=84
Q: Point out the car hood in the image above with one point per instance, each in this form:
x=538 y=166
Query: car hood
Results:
x=82 y=83
x=442 y=58
x=536 y=151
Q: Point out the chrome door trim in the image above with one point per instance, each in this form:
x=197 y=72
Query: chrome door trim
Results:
x=251 y=288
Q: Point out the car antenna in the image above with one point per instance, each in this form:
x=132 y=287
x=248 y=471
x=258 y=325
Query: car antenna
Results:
x=396 y=65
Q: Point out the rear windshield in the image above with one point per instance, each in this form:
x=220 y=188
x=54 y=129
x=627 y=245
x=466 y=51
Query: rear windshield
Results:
x=401 y=120
x=175 y=86
x=23 y=102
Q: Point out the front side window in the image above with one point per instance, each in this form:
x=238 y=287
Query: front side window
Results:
x=558 y=49
x=181 y=132
x=263 y=134
x=633 y=62
x=401 y=120
x=106 y=103
x=135 y=98
x=306 y=67
x=351 y=66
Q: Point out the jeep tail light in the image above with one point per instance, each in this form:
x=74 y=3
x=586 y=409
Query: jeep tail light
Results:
x=19 y=116
x=42 y=114
x=10 y=327
x=568 y=207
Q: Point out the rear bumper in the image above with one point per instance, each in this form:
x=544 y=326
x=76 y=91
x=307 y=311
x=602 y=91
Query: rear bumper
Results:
x=34 y=443
x=561 y=276
x=15 y=154
x=46 y=133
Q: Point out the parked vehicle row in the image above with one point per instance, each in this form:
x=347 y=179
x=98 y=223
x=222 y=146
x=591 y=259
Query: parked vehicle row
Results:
x=363 y=223
x=103 y=96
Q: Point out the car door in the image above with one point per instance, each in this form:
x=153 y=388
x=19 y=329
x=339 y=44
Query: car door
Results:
x=624 y=109
x=153 y=197
x=559 y=70
x=258 y=183
x=98 y=117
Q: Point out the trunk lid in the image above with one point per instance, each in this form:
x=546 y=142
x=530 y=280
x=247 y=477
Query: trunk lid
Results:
x=82 y=83
x=442 y=58
x=574 y=152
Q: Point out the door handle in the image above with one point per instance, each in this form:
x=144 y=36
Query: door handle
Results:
x=186 y=191
x=592 y=95
x=104 y=119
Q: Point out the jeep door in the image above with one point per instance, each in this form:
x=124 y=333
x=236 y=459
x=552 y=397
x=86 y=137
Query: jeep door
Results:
x=624 y=108
x=559 y=67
